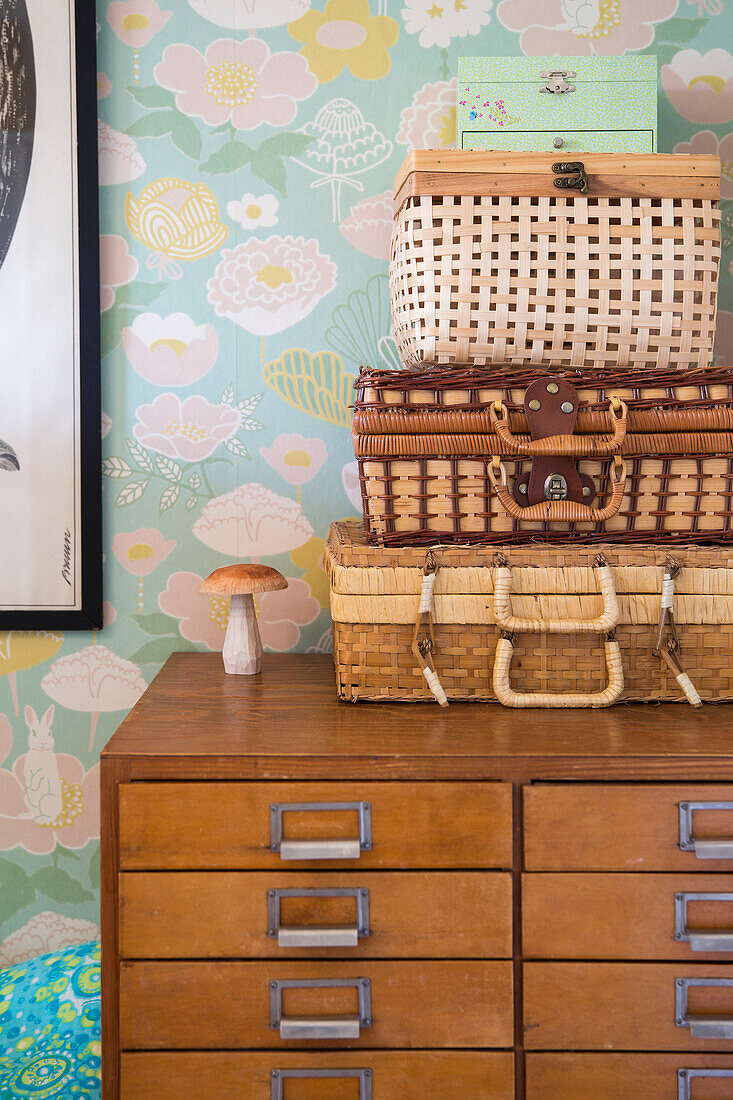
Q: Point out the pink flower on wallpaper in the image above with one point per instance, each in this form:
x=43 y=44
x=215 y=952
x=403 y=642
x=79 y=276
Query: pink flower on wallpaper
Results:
x=266 y=286
x=296 y=458
x=700 y=86
x=119 y=157
x=430 y=120
x=190 y=430
x=246 y=14
x=76 y=819
x=106 y=425
x=202 y=617
x=104 y=85
x=172 y=350
x=352 y=485
x=43 y=933
x=369 y=225
x=141 y=551
x=136 y=21
x=94 y=680
x=578 y=27
x=705 y=141
x=109 y=614
x=238 y=82
x=252 y=522
x=283 y=613
x=116 y=267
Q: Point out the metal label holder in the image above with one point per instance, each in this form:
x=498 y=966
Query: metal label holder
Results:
x=278 y=1076
x=684 y=1076
x=709 y=848
x=702 y=1027
x=320 y=849
x=322 y=936
x=320 y=1027
x=700 y=939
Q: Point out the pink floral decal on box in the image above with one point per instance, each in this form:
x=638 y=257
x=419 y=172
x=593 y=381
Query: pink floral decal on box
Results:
x=369 y=225
x=190 y=430
x=578 y=27
x=172 y=350
x=267 y=286
x=238 y=82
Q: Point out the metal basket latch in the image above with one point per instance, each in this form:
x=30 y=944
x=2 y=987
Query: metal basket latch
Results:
x=572 y=176
x=551 y=408
x=556 y=81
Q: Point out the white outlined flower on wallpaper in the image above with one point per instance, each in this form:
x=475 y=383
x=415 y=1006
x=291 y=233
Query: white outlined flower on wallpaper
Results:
x=116 y=267
x=95 y=680
x=437 y=22
x=580 y=27
x=252 y=522
x=700 y=86
x=267 y=286
x=170 y=351
x=369 y=225
x=242 y=15
x=238 y=82
x=705 y=141
x=119 y=157
x=44 y=933
x=345 y=146
x=430 y=120
x=189 y=430
x=254 y=211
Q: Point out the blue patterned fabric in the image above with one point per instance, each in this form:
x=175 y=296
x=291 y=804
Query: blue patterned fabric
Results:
x=50 y=1045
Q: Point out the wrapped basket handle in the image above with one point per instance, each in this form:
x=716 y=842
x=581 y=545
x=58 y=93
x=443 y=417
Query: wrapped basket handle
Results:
x=510 y=698
x=558 y=511
x=572 y=446
x=512 y=624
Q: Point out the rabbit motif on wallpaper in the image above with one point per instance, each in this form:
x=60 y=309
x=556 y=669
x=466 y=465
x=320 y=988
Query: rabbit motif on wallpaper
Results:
x=43 y=784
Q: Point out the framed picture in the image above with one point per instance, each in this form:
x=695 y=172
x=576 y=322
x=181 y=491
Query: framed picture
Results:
x=50 y=413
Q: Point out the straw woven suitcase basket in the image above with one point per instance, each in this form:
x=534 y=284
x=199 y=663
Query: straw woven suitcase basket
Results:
x=447 y=455
x=554 y=638
x=518 y=259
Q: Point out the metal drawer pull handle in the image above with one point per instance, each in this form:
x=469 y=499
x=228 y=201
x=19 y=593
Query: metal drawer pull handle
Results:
x=684 y=1077
x=702 y=1027
x=277 y=1076
x=328 y=936
x=320 y=849
x=700 y=939
x=320 y=1027
x=710 y=847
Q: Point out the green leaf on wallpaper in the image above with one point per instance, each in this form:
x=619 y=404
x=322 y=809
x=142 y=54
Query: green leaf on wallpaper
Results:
x=152 y=95
x=232 y=155
x=194 y=481
x=59 y=886
x=185 y=136
x=131 y=492
x=227 y=395
x=153 y=124
x=169 y=469
x=359 y=323
x=168 y=498
x=115 y=467
x=237 y=448
x=16 y=892
x=67 y=853
x=139 y=294
x=155 y=652
x=271 y=170
x=285 y=145
x=191 y=503
x=94 y=868
x=140 y=455
x=113 y=322
x=672 y=35
x=156 y=623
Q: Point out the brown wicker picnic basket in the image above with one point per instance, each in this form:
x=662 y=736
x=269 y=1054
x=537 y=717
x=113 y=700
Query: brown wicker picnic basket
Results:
x=530 y=625
x=482 y=456
x=519 y=259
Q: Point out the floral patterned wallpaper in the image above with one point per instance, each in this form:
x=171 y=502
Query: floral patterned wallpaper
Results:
x=247 y=151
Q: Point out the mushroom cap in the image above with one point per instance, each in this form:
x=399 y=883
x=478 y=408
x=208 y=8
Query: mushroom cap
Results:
x=233 y=580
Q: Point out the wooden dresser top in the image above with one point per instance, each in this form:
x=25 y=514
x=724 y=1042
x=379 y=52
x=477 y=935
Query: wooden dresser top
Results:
x=289 y=718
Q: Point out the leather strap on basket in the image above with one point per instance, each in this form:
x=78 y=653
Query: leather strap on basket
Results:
x=669 y=651
x=423 y=638
x=510 y=625
x=558 y=511
x=574 y=446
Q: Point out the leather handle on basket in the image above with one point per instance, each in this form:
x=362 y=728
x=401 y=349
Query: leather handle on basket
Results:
x=558 y=511
x=510 y=698
x=572 y=446
x=510 y=623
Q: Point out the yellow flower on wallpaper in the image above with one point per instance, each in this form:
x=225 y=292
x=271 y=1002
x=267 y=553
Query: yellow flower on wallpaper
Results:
x=177 y=220
x=310 y=557
x=21 y=649
x=315 y=384
x=346 y=35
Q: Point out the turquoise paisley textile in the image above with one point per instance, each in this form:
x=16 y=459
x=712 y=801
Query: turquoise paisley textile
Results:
x=49 y=1027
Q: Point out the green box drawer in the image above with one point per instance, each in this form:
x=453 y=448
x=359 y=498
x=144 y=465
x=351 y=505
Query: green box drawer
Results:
x=573 y=141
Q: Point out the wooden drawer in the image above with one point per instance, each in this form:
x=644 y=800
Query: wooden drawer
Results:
x=402 y=1075
x=625 y=828
x=596 y=916
x=191 y=826
x=224 y=914
x=573 y=141
x=215 y=1005
x=624 y=1006
x=617 y=1076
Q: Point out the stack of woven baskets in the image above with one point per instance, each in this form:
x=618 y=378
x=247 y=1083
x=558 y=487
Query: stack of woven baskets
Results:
x=548 y=484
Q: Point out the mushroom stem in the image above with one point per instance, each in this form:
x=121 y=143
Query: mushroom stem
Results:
x=242 y=651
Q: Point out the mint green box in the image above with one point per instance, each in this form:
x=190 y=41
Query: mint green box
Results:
x=569 y=104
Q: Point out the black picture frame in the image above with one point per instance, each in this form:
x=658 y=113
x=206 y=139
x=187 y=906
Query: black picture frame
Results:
x=88 y=614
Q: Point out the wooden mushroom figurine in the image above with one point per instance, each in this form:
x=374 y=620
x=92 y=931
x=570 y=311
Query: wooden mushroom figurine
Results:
x=242 y=651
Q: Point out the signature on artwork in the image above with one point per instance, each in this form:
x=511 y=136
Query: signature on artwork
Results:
x=8 y=457
x=66 y=567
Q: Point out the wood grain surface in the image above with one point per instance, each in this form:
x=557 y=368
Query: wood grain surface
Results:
x=618 y=1076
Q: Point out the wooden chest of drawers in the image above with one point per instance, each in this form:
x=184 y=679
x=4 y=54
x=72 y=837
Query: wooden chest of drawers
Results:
x=307 y=899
